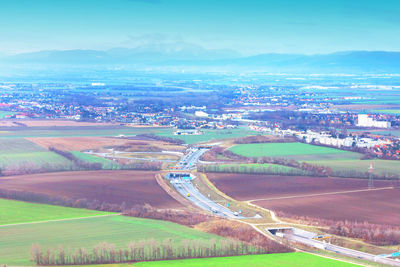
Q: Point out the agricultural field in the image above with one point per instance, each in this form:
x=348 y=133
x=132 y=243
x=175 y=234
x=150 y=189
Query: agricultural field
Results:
x=252 y=187
x=16 y=240
x=107 y=164
x=387 y=111
x=114 y=187
x=77 y=131
x=4 y=114
x=13 y=212
x=20 y=155
x=99 y=143
x=380 y=166
x=297 y=259
x=377 y=206
x=209 y=135
x=296 y=151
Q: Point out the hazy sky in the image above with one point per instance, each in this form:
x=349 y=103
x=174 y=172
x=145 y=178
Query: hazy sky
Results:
x=247 y=26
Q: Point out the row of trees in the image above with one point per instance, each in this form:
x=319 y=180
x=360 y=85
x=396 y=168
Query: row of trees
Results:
x=146 y=250
x=183 y=217
x=170 y=140
x=309 y=169
x=235 y=168
x=78 y=162
x=29 y=167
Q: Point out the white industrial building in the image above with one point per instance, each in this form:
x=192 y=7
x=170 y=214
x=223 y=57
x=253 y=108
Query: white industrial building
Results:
x=365 y=121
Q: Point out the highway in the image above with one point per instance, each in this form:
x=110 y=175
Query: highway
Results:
x=340 y=250
x=191 y=193
x=186 y=188
x=189 y=161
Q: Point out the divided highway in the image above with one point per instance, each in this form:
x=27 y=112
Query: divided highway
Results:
x=340 y=250
x=185 y=187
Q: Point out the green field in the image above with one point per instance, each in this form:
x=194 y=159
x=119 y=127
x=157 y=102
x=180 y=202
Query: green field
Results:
x=3 y=114
x=107 y=164
x=19 y=145
x=380 y=166
x=209 y=135
x=387 y=111
x=296 y=151
x=19 y=153
x=34 y=160
x=297 y=259
x=15 y=241
x=258 y=168
x=12 y=212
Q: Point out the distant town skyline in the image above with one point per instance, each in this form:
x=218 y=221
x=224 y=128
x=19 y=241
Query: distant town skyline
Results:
x=247 y=27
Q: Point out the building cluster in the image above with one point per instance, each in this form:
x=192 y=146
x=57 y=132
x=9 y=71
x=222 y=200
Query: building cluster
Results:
x=381 y=147
x=364 y=120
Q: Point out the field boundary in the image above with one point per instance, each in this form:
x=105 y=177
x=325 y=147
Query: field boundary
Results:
x=60 y=220
x=322 y=194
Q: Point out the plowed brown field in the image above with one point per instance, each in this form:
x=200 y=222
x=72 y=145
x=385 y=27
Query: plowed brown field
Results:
x=115 y=187
x=317 y=197
x=249 y=187
x=379 y=207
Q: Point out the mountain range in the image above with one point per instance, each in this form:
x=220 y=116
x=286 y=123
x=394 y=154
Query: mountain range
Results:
x=196 y=57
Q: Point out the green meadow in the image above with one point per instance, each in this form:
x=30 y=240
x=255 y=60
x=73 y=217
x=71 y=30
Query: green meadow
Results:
x=296 y=151
x=380 y=166
x=107 y=164
x=17 y=153
x=297 y=259
x=14 y=212
x=16 y=240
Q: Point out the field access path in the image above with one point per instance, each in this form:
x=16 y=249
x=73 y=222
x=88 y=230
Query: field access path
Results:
x=322 y=194
x=60 y=220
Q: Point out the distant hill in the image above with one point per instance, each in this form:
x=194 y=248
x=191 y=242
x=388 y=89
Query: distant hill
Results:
x=189 y=56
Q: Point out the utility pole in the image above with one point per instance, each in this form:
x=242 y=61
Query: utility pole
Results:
x=371 y=176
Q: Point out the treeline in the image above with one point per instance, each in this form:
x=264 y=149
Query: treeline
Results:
x=376 y=234
x=170 y=140
x=177 y=216
x=29 y=167
x=78 y=162
x=311 y=169
x=216 y=151
x=62 y=201
x=245 y=233
x=145 y=250
x=143 y=211
x=237 y=168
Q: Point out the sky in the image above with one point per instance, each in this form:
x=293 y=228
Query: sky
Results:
x=246 y=26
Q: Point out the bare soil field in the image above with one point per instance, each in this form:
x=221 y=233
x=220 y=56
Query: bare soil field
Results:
x=95 y=142
x=77 y=143
x=252 y=187
x=378 y=207
x=115 y=187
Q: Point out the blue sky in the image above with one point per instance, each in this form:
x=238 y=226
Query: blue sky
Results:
x=248 y=26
